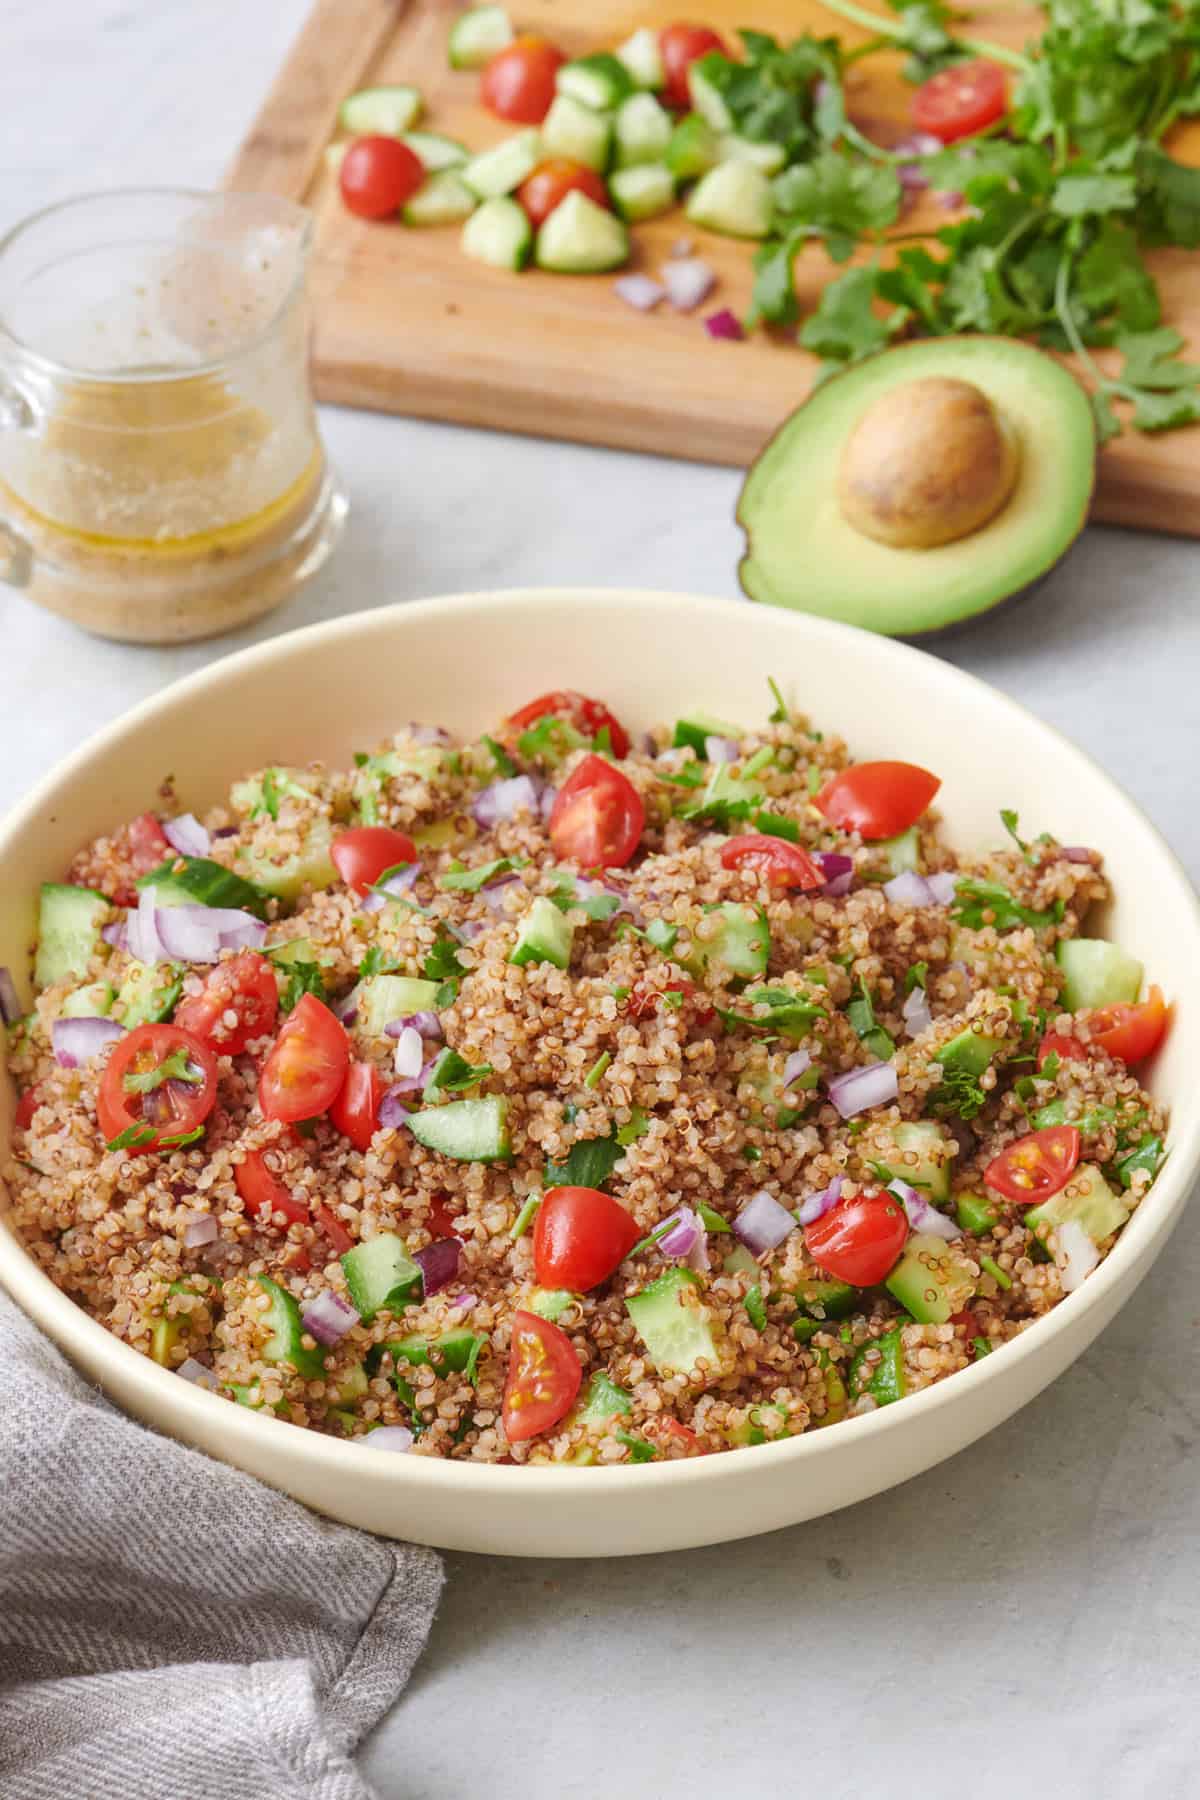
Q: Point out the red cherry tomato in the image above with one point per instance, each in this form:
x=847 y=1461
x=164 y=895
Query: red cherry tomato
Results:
x=137 y=848
x=589 y=717
x=777 y=861
x=378 y=174
x=1057 y=1043
x=1036 y=1166
x=307 y=1065
x=1131 y=1032
x=679 y=46
x=362 y=855
x=263 y=1194
x=666 y=1427
x=158 y=1079
x=878 y=799
x=441 y=1221
x=960 y=100
x=543 y=1377
x=518 y=83
x=334 y=1230
x=27 y=1105
x=859 y=1239
x=243 y=990
x=598 y=816
x=355 y=1112
x=580 y=1237
x=968 y=1321
x=541 y=192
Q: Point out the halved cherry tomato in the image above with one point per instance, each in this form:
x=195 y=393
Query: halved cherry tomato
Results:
x=878 y=799
x=580 y=1237
x=960 y=100
x=777 y=861
x=589 y=717
x=307 y=1065
x=1035 y=1166
x=1057 y=1043
x=243 y=989
x=543 y=1377
x=643 y=1000
x=334 y=1230
x=598 y=816
x=263 y=1194
x=362 y=855
x=440 y=1221
x=667 y=1427
x=137 y=848
x=378 y=174
x=969 y=1321
x=679 y=46
x=355 y=1111
x=1128 y=1031
x=860 y=1239
x=159 y=1079
x=518 y=83
x=27 y=1105
x=541 y=192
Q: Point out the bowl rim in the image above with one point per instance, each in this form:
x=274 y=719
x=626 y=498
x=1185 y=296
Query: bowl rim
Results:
x=1149 y=1227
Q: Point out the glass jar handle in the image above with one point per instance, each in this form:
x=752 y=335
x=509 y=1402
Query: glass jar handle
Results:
x=16 y=557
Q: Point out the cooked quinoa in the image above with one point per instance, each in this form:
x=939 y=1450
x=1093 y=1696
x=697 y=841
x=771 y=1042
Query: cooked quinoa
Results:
x=695 y=1096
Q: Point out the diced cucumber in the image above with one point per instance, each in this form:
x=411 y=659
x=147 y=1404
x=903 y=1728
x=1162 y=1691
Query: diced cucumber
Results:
x=498 y=234
x=382 y=998
x=380 y=1272
x=438 y=836
x=477 y=35
x=551 y=1303
x=643 y=192
x=600 y=81
x=882 y=1379
x=581 y=238
x=435 y=151
x=92 y=1002
x=693 y=149
x=573 y=130
x=643 y=131
x=287 y=1329
x=1088 y=1199
x=287 y=876
x=707 y=98
x=740 y=1262
x=496 y=172
x=386 y=110
x=149 y=994
x=934 y=1152
x=768 y=157
x=673 y=1323
x=740 y=940
x=836 y=1398
x=68 y=932
x=970 y=1052
x=467 y=1130
x=975 y=1214
x=902 y=852
x=643 y=58
x=932 y=1280
x=445 y=199
x=604 y=1400
x=456 y=1350
x=544 y=935
x=733 y=199
x=196 y=880
x=1097 y=973
x=698 y=727
x=349 y=1386
x=827 y=1299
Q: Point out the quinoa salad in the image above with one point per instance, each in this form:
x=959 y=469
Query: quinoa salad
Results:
x=548 y=1097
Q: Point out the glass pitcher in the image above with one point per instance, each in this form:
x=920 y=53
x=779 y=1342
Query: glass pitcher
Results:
x=161 y=474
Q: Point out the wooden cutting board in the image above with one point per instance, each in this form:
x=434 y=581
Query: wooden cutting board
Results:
x=405 y=323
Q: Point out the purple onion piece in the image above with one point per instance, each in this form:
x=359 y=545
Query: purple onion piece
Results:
x=226 y=831
x=392 y=1115
x=838 y=870
x=951 y=199
x=428 y=734
x=397 y=1438
x=647 y=744
x=721 y=749
x=492 y=892
x=861 y=1089
x=201 y=1228
x=909 y=889
x=639 y=291
x=921 y=1214
x=391 y=889
x=724 y=326
x=187 y=835
x=688 y=280
x=546 y=803
x=763 y=1223
x=198 y=1374
x=917 y=1016
x=426 y=1023
x=114 y=934
x=328 y=1317
x=817 y=1205
x=943 y=886
x=502 y=800
x=686 y=1227
x=795 y=1066
x=410 y=1052
x=438 y=1264
x=141 y=931
x=10 y=1005
x=464 y=1302
x=1076 y=853
x=78 y=1041
x=680 y=248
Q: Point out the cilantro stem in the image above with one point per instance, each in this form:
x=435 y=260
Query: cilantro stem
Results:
x=858 y=15
x=1062 y=308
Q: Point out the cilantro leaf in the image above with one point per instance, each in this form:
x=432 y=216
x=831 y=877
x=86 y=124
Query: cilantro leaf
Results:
x=469 y=881
x=958 y=1092
x=975 y=898
x=788 y=1014
x=1084 y=191
x=505 y=766
x=376 y=962
x=175 y=1067
x=916 y=976
x=639 y=1124
x=839 y=194
x=452 y=1074
x=182 y=1139
x=134 y=1137
x=845 y=326
x=861 y=1014
x=779 y=716
x=589 y=1163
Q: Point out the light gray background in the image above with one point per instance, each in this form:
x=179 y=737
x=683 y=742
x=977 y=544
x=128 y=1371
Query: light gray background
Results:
x=1024 y=1619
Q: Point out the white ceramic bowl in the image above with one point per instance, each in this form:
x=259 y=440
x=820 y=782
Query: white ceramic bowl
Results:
x=465 y=662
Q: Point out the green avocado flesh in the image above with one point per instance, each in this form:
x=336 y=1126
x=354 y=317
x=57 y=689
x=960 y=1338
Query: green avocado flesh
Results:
x=802 y=553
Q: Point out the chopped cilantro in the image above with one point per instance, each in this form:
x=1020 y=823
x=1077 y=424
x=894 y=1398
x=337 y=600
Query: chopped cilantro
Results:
x=981 y=1346
x=451 y=1074
x=780 y=714
x=1148 y=1155
x=861 y=1014
x=916 y=976
x=182 y=1139
x=446 y=995
x=978 y=903
x=300 y=978
x=551 y=738
x=592 y=1078
x=377 y=962
x=270 y=796
x=788 y=1014
x=524 y=1218
x=175 y=1067
x=639 y=1450
x=775 y=825
x=134 y=1137
x=958 y=1092
x=566 y=896
x=589 y=1163
x=755 y=1309
x=639 y=1124
x=725 y=798
x=690 y=776
x=751 y=1153
x=505 y=766
x=661 y=935
x=442 y=963
x=621 y=993
x=469 y=881
x=712 y=1221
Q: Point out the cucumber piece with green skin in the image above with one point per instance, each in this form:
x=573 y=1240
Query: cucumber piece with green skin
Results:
x=1097 y=973
x=740 y=1262
x=551 y=1303
x=604 y=1400
x=477 y=35
x=458 y=1351
x=1088 y=1200
x=642 y=57
x=934 y=1152
x=380 y=1272
x=92 y=1002
x=753 y=1428
x=287 y=1329
x=382 y=998
x=388 y=111
x=310 y=867
x=69 y=920
x=496 y=172
x=741 y=940
x=770 y=158
x=693 y=149
x=198 y=881
x=673 y=1323
x=149 y=994
x=975 y=1214
x=642 y=131
x=435 y=151
x=600 y=81
x=902 y=852
x=931 y=1279
x=581 y=238
x=573 y=130
x=733 y=199
x=467 y=1130
x=837 y=1400
x=543 y=935
x=698 y=727
x=883 y=1379
x=827 y=1299
x=498 y=234
x=971 y=1052
x=644 y=192
x=349 y=1386
x=706 y=96
x=444 y=199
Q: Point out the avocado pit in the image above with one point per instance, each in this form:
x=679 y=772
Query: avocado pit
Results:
x=927 y=463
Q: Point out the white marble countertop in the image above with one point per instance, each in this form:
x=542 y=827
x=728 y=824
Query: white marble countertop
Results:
x=1023 y=1618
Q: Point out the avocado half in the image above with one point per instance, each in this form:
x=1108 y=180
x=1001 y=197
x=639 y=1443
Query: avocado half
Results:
x=803 y=553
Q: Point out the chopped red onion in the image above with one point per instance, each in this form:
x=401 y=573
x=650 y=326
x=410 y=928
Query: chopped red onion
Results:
x=1076 y=853
x=591 y=890
x=10 y=1006
x=763 y=1224
x=505 y=799
x=639 y=292
x=393 y=1115
x=328 y=1318
x=190 y=933
x=943 y=886
x=469 y=931
x=187 y=835
x=428 y=734
x=817 y=1205
x=909 y=889
x=492 y=892
x=387 y=1437
x=721 y=749
x=838 y=870
x=438 y=1263
x=647 y=744
x=912 y=176
x=114 y=933
x=427 y=1023
x=861 y=1089
x=226 y=831
x=546 y=803
x=201 y=1228
x=79 y=1041
x=410 y=1052
x=141 y=930
x=688 y=280
x=917 y=1015
x=395 y=885
x=464 y=1302
x=795 y=1066
x=198 y=1374
x=724 y=325
x=687 y=1240
x=1076 y=1255
x=346 y=1009
x=922 y=1214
